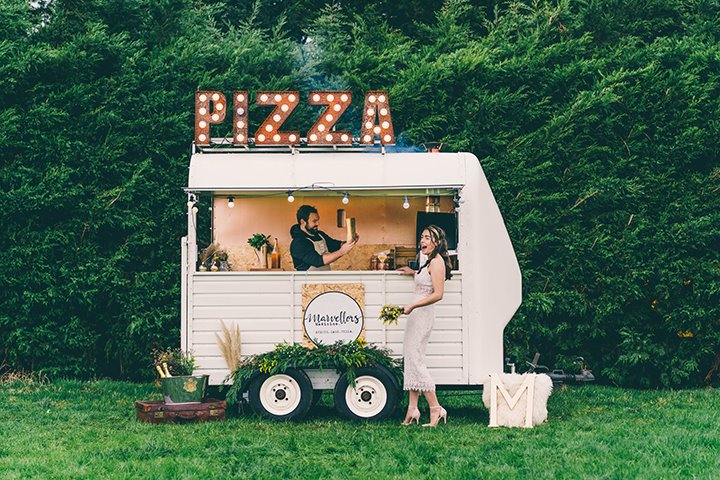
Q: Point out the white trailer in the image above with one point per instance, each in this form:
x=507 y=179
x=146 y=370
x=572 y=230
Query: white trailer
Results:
x=466 y=344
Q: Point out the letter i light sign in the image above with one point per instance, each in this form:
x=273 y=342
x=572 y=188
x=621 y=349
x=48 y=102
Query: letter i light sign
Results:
x=211 y=108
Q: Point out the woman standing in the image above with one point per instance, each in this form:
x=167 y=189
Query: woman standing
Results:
x=429 y=288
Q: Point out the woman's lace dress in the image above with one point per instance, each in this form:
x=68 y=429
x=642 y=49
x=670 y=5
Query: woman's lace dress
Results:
x=417 y=333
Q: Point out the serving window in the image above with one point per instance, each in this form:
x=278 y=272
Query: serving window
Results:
x=387 y=229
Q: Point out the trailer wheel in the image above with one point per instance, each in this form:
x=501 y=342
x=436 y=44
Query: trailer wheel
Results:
x=283 y=396
x=374 y=397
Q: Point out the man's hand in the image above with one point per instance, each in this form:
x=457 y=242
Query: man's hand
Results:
x=346 y=247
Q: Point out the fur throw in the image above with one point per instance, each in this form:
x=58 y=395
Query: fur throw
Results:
x=516 y=417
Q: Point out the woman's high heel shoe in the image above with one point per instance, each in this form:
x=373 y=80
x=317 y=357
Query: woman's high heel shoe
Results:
x=410 y=416
x=436 y=413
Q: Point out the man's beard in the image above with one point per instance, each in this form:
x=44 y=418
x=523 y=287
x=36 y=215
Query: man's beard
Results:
x=312 y=231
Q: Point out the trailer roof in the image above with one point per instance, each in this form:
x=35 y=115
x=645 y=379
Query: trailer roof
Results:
x=236 y=172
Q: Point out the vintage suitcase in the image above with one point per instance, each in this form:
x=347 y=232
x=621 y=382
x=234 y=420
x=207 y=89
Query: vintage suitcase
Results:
x=157 y=411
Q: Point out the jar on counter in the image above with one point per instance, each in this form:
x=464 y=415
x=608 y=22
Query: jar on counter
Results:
x=374 y=262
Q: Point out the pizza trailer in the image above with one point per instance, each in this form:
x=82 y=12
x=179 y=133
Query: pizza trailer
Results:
x=391 y=196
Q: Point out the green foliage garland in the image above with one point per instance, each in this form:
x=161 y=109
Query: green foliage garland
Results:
x=343 y=357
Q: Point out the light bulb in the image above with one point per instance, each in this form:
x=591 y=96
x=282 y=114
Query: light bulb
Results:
x=190 y=203
x=406 y=204
x=195 y=209
x=231 y=202
x=290 y=197
x=346 y=199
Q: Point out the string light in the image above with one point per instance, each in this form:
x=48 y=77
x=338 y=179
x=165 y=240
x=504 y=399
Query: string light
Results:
x=346 y=198
x=231 y=202
x=406 y=204
x=290 y=197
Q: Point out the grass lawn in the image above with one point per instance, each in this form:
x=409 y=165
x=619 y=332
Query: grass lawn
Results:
x=71 y=429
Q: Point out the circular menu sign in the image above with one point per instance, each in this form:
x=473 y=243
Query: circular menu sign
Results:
x=331 y=317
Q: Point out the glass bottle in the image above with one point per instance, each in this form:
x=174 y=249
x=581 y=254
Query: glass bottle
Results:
x=275 y=256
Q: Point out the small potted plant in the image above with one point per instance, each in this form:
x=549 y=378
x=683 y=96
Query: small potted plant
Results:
x=175 y=368
x=260 y=243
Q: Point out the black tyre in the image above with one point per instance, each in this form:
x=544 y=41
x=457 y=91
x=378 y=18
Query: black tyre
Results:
x=283 y=396
x=374 y=397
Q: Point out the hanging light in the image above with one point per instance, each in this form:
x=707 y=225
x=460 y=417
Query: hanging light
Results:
x=191 y=200
x=231 y=202
x=290 y=197
x=346 y=198
x=406 y=204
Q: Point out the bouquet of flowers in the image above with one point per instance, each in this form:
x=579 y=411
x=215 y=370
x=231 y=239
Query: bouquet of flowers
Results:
x=173 y=362
x=390 y=314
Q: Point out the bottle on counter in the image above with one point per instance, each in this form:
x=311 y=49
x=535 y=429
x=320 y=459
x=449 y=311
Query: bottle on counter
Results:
x=275 y=256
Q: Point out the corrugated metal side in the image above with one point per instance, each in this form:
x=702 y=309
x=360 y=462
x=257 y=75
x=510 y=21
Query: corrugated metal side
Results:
x=268 y=310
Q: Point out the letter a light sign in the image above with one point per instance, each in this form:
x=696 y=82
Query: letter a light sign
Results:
x=211 y=109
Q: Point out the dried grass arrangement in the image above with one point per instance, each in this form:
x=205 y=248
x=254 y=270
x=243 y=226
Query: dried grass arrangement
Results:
x=214 y=258
x=229 y=345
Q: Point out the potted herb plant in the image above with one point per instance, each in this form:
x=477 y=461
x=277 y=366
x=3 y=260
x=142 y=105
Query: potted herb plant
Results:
x=175 y=368
x=260 y=243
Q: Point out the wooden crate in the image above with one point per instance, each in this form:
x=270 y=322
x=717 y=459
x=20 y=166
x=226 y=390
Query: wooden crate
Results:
x=157 y=411
x=403 y=255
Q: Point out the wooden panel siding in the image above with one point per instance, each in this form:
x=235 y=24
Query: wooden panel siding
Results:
x=267 y=307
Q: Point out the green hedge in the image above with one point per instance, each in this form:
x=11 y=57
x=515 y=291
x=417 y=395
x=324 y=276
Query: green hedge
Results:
x=597 y=124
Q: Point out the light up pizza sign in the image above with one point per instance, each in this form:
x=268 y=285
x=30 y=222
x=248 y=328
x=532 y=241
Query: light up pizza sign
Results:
x=331 y=317
x=211 y=108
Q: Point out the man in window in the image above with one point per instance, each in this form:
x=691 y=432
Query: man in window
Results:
x=311 y=248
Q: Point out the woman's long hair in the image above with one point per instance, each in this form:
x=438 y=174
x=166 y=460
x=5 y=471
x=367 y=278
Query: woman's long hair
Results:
x=441 y=248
